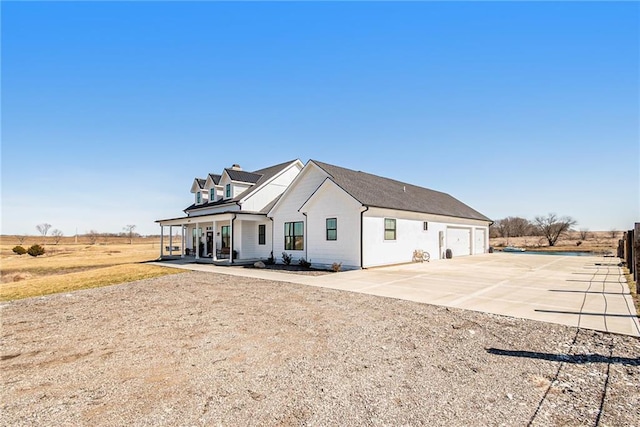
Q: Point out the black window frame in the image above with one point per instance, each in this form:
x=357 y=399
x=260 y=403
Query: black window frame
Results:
x=425 y=225
x=329 y=229
x=293 y=241
x=225 y=236
x=262 y=234
x=386 y=229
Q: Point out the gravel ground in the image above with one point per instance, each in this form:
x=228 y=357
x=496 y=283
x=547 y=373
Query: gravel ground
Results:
x=205 y=349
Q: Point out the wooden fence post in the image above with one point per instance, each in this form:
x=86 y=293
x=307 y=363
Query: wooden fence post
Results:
x=628 y=252
x=636 y=254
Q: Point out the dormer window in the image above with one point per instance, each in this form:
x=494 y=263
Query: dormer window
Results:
x=212 y=195
x=227 y=191
x=198 y=197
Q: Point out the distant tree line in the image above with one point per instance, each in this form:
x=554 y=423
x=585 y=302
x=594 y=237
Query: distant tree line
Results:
x=128 y=232
x=92 y=235
x=551 y=227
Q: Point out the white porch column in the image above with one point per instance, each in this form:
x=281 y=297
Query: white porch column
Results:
x=206 y=249
x=171 y=240
x=182 y=248
x=230 y=241
x=214 y=249
x=161 y=240
x=197 y=248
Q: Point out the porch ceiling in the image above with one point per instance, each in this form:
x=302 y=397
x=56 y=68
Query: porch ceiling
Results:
x=201 y=219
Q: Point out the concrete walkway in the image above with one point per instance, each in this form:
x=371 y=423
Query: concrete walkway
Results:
x=589 y=292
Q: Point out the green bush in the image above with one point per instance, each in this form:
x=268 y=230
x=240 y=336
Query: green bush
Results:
x=19 y=250
x=304 y=263
x=286 y=258
x=35 y=250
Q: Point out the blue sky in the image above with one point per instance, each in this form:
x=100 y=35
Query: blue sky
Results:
x=110 y=109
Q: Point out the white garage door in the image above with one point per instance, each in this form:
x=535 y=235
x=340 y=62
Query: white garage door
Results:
x=459 y=241
x=480 y=241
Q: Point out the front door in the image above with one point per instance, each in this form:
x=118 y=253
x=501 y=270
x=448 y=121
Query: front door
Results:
x=210 y=246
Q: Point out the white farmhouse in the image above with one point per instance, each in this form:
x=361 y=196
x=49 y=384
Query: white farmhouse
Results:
x=324 y=214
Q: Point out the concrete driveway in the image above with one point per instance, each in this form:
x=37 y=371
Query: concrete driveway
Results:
x=589 y=292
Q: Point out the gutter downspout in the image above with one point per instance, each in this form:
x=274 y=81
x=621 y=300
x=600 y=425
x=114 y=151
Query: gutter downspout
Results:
x=305 y=236
x=233 y=231
x=362 y=236
x=272 y=229
x=231 y=237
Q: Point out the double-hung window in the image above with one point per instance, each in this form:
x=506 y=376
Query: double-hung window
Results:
x=212 y=195
x=332 y=229
x=294 y=236
x=227 y=191
x=198 y=197
x=262 y=234
x=389 y=229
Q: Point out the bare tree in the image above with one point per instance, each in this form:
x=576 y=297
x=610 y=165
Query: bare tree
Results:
x=498 y=229
x=92 y=235
x=21 y=238
x=518 y=226
x=57 y=235
x=613 y=233
x=584 y=233
x=551 y=227
x=513 y=226
x=43 y=229
x=130 y=232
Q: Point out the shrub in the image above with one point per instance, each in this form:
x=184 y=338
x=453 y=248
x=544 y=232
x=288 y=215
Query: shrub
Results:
x=336 y=266
x=19 y=250
x=304 y=263
x=286 y=258
x=35 y=250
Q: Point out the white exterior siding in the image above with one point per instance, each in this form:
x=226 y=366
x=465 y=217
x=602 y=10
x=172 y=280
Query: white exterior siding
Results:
x=330 y=201
x=238 y=189
x=249 y=241
x=286 y=210
x=410 y=235
x=258 y=200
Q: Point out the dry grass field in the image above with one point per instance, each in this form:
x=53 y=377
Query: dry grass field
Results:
x=596 y=241
x=68 y=266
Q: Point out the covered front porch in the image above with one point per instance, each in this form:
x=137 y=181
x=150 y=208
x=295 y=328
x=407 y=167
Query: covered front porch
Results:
x=224 y=238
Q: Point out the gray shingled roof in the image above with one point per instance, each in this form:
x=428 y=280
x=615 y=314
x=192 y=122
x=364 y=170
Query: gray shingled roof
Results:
x=266 y=175
x=263 y=175
x=201 y=182
x=215 y=178
x=243 y=176
x=376 y=191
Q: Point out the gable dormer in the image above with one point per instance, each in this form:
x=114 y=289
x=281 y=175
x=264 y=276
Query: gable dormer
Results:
x=199 y=192
x=213 y=188
x=249 y=191
x=234 y=181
